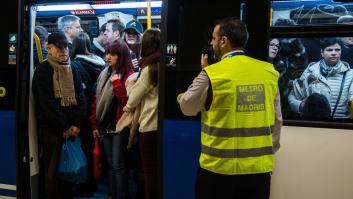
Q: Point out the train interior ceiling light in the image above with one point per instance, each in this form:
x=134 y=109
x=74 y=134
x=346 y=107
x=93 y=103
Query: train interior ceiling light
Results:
x=154 y=4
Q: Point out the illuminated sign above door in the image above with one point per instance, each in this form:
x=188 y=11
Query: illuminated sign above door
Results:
x=83 y=12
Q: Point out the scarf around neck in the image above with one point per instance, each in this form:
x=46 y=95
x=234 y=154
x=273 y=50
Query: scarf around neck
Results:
x=104 y=97
x=329 y=70
x=63 y=81
x=150 y=59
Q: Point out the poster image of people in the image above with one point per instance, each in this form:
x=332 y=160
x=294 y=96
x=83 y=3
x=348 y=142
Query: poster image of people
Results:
x=316 y=74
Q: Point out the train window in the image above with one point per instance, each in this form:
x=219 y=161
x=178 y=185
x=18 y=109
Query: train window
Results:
x=315 y=77
x=308 y=13
x=97 y=13
x=311 y=47
x=88 y=24
x=49 y=23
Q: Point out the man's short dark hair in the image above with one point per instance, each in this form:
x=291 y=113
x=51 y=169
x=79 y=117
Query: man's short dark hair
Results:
x=58 y=39
x=102 y=28
x=234 y=30
x=117 y=25
x=326 y=42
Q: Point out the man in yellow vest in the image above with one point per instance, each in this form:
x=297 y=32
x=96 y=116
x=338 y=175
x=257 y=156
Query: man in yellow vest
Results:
x=240 y=118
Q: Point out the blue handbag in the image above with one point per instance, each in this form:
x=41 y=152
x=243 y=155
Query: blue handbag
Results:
x=72 y=165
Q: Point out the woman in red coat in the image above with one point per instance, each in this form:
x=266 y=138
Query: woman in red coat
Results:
x=107 y=110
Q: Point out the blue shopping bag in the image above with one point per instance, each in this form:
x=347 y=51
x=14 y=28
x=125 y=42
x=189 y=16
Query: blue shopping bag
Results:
x=72 y=165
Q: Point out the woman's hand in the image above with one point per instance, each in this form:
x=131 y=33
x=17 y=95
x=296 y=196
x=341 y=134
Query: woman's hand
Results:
x=126 y=109
x=115 y=77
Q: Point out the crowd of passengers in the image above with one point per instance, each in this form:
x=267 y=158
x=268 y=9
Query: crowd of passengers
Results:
x=102 y=88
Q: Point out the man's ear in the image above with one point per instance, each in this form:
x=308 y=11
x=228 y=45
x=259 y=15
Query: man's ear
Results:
x=117 y=35
x=67 y=31
x=224 y=41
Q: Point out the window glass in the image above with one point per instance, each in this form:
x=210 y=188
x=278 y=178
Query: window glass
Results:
x=312 y=82
x=310 y=13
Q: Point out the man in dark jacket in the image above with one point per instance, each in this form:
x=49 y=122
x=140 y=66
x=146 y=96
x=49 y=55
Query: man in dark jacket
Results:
x=60 y=108
x=99 y=43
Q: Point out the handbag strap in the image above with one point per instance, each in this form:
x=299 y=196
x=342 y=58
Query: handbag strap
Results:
x=339 y=95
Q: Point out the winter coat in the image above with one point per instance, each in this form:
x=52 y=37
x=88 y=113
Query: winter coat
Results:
x=90 y=67
x=49 y=113
x=329 y=86
x=120 y=97
x=144 y=94
x=96 y=48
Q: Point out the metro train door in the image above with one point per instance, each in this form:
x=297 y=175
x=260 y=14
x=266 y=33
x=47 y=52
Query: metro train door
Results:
x=8 y=74
x=14 y=169
x=92 y=14
x=189 y=28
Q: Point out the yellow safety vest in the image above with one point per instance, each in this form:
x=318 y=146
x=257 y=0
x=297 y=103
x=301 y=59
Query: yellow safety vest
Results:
x=236 y=130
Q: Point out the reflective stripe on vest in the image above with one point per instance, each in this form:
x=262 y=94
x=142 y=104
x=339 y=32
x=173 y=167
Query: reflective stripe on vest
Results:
x=239 y=132
x=237 y=153
x=236 y=130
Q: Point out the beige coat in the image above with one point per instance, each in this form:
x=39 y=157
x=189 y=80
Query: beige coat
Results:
x=145 y=95
x=129 y=118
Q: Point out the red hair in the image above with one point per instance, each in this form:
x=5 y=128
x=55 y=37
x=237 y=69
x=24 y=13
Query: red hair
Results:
x=120 y=49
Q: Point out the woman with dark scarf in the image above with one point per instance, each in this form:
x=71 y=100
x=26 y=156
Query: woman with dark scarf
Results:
x=107 y=110
x=144 y=93
x=90 y=66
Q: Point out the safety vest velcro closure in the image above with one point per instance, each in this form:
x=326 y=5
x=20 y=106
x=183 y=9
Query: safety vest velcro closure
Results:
x=236 y=132
x=237 y=153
